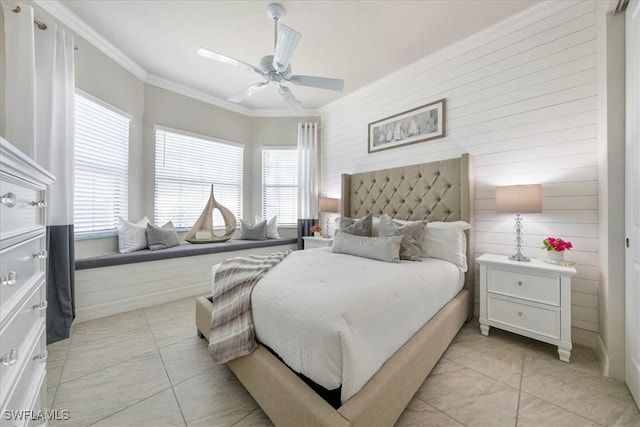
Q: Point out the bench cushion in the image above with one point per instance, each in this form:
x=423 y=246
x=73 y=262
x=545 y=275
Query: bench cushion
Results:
x=183 y=250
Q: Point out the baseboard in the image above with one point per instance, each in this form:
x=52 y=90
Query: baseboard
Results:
x=584 y=337
x=603 y=356
x=133 y=303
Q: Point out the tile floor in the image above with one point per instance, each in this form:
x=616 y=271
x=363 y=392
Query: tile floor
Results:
x=148 y=368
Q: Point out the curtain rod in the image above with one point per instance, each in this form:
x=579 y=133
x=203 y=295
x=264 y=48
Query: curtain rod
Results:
x=40 y=24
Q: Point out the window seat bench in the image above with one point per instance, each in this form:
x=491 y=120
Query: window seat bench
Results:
x=115 y=283
x=184 y=250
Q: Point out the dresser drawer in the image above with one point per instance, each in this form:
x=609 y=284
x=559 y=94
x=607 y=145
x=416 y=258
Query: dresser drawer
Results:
x=14 y=335
x=21 y=209
x=536 y=319
x=543 y=289
x=26 y=390
x=21 y=265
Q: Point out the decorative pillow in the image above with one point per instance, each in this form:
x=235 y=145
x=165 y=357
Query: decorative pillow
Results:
x=162 y=237
x=447 y=241
x=132 y=236
x=375 y=226
x=411 y=233
x=257 y=231
x=272 y=227
x=381 y=248
x=356 y=226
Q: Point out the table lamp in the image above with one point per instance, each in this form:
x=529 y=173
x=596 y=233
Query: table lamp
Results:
x=519 y=199
x=327 y=205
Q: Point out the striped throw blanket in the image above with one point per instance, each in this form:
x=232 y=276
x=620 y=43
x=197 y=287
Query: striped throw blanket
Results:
x=232 y=331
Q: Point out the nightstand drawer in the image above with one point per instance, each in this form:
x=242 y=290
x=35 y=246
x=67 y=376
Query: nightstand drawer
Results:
x=536 y=319
x=543 y=289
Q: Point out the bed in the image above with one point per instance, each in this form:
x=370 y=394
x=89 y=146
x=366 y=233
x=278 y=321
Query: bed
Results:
x=436 y=191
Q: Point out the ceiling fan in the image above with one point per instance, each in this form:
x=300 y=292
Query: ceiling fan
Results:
x=276 y=69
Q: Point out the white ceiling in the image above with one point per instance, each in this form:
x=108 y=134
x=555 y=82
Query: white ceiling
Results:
x=358 y=41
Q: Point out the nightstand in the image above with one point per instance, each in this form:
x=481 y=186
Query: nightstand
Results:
x=527 y=298
x=311 y=242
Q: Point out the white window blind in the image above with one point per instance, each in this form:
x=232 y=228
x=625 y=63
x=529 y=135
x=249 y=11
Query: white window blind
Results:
x=101 y=167
x=280 y=184
x=186 y=166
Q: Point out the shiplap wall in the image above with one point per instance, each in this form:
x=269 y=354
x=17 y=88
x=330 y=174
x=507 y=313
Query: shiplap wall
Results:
x=521 y=99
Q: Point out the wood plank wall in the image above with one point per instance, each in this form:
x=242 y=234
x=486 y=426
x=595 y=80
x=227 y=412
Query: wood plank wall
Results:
x=521 y=99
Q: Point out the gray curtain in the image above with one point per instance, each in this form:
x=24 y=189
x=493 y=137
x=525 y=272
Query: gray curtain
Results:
x=304 y=226
x=61 y=309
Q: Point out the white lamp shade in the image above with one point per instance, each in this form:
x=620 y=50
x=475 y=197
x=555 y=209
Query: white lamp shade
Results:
x=328 y=205
x=519 y=198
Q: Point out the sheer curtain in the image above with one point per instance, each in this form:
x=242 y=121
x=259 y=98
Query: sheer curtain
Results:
x=55 y=88
x=308 y=178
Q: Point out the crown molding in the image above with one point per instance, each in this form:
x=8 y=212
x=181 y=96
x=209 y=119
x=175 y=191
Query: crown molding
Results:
x=171 y=86
x=73 y=21
x=163 y=83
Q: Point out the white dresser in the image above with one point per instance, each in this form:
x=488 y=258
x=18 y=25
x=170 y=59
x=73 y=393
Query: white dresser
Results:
x=23 y=291
x=527 y=298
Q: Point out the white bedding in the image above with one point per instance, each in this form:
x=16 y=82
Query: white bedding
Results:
x=337 y=318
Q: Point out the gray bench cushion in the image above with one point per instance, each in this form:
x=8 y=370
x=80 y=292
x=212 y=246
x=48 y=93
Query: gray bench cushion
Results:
x=183 y=250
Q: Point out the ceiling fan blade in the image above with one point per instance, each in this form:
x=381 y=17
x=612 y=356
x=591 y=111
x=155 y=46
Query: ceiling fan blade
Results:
x=319 y=82
x=287 y=42
x=294 y=105
x=247 y=92
x=227 y=60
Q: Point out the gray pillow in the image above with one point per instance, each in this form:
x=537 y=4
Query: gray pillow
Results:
x=356 y=226
x=411 y=233
x=162 y=237
x=257 y=231
x=380 y=248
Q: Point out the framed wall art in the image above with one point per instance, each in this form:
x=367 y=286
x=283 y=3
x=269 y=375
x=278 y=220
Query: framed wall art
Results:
x=419 y=124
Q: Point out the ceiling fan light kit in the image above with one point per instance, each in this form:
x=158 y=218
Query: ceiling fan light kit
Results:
x=276 y=68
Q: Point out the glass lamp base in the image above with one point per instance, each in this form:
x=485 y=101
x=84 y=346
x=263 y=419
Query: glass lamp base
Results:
x=519 y=257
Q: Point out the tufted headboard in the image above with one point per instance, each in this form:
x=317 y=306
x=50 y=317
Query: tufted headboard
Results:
x=435 y=191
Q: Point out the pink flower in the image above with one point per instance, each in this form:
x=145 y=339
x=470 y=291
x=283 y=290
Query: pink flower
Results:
x=556 y=244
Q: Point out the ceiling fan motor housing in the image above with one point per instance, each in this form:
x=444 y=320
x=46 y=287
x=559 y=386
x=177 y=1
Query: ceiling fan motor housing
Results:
x=266 y=65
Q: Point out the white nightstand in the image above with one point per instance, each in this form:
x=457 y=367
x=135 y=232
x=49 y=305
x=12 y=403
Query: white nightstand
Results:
x=527 y=298
x=311 y=242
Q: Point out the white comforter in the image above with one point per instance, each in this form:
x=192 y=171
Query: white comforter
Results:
x=337 y=318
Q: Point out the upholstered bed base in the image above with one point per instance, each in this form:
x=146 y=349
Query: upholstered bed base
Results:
x=288 y=401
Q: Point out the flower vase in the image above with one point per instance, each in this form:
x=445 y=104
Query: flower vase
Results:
x=555 y=256
x=316 y=234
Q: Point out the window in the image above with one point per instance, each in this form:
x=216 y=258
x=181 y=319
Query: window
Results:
x=280 y=184
x=101 y=167
x=186 y=167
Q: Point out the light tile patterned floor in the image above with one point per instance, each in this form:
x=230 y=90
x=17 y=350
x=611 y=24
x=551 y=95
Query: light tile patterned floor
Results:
x=147 y=368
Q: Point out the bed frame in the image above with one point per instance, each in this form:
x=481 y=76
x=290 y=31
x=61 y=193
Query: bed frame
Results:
x=436 y=191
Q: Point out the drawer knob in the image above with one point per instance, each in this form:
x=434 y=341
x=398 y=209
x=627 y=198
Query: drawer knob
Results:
x=8 y=200
x=9 y=279
x=10 y=358
x=41 y=254
x=520 y=314
x=520 y=283
x=41 y=305
x=39 y=203
x=42 y=356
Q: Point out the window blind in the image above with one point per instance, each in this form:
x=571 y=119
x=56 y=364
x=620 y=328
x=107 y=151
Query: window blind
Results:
x=186 y=167
x=101 y=167
x=280 y=184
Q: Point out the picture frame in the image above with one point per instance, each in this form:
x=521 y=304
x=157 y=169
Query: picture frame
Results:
x=419 y=124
